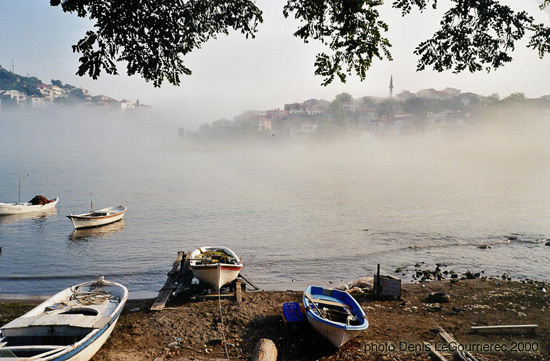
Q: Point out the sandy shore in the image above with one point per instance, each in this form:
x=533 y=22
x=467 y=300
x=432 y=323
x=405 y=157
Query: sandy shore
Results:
x=216 y=330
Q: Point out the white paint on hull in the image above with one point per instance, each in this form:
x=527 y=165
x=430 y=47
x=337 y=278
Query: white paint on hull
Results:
x=21 y=208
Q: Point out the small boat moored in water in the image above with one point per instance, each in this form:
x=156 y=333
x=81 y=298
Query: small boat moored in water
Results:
x=71 y=325
x=38 y=204
x=215 y=266
x=334 y=314
x=97 y=218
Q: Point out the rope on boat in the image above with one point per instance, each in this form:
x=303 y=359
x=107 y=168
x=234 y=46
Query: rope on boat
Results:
x=223 y=326
x=96 y=296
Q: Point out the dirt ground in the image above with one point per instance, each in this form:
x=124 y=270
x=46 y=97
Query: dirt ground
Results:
x=224 y=329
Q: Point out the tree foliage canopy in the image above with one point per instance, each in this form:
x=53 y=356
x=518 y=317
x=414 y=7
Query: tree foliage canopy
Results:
x=152 y=37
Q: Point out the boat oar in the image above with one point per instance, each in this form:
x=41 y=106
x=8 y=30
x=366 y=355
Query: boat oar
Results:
x=308 y=296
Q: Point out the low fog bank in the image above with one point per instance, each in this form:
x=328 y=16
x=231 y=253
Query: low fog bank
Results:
x=83 y=135
x=513 y=141
x=510 y=143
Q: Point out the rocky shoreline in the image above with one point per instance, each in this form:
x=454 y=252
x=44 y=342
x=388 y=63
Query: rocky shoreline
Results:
x=399 y=327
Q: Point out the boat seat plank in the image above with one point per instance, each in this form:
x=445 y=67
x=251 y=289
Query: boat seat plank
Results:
x=20 y=322
x=50 y=350
x=84 y=321
x=101 y=322
x=328 y=302
x=503 y=327
x=40 y=347
x=58 y=319
x=53 y=319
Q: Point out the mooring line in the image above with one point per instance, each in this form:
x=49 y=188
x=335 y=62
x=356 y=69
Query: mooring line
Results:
x=223 y=325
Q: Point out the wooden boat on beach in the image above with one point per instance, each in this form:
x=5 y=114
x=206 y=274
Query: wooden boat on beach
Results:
x=70 y=326
x=98 y=218
x=334 y=314
x=37 y=204
x=215 y=266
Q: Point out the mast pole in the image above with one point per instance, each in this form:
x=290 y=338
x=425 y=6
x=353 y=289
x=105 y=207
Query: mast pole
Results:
x=20 y=187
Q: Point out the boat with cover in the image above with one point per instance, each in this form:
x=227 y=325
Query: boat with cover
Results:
x=98 y=218
x=70 y=326
x=334 y=314
x=215 y=266
x=38 y=204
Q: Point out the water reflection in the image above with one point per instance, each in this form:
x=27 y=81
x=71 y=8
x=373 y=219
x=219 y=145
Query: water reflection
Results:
x=14 y=218
x=88 y=234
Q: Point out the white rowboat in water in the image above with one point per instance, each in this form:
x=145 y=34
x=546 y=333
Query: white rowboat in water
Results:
x=70 y=326
x=20 y=208
x=215 y=266
x=98 y=218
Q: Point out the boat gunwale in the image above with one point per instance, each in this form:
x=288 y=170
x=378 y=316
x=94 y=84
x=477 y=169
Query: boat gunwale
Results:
x=27 y=204
x=90 y=215
x=223 y=266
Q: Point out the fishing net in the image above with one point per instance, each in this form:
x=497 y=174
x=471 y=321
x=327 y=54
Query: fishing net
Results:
x=218 y=256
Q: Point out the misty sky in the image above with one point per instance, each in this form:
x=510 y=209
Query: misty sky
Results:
x=232 y=74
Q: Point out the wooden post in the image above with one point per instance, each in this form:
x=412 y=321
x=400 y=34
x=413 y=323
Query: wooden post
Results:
x=238 y=291
x=186 y=265
x=378 y=291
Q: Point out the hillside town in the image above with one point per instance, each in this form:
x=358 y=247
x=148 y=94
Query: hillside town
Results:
x=18 y=91
x=404 y=113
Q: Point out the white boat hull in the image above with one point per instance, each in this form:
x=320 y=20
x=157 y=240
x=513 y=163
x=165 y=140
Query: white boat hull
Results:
x=98 y=218
x=21 y=208
x=336 y=336
x=218 y=274
x=63 y=316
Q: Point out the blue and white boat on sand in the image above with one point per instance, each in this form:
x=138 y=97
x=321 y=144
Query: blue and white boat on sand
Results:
x=70 y=326
x=334 y=314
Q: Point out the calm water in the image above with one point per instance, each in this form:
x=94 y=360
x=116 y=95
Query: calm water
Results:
x=297 y=213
